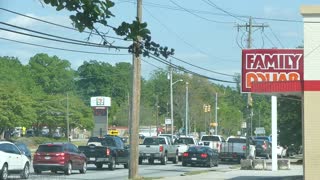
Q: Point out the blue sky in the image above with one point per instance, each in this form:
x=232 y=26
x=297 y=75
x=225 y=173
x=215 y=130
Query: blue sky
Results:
x=201 y=33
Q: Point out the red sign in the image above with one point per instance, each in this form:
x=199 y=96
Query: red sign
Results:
x=264 y=68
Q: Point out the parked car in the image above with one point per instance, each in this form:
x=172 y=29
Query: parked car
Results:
x=108 y=150
x=200 y=155
x=263 y=148
x=12 y=160
x=212 y=141
x=183 y=143
x=24 y=148
x=30 y=133
x=59 y=157
x=235 y=149
x=158 y=148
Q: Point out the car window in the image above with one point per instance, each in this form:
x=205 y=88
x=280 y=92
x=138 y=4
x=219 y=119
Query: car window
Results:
x=108 y=142
x=184 y=141
x=50 y=148
x=210 y=138
x=154 y=141
x=236 y=140
x=9 y=148
x=198 y=149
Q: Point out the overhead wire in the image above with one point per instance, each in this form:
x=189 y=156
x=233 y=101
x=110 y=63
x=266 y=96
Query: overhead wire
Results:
x=59 y=25
x=269 y=39
x=201 y=17
x=63 y=41
x=276 y=37
x=63 y=49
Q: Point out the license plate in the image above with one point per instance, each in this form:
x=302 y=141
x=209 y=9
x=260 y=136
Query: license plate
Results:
x=47 y=157
x=147 y=154
x=92 y=159
x=194 y=159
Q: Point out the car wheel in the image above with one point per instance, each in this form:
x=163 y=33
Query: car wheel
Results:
x=210 y=163
x=217 y=163
x=83 y=170
x=164 y=160
x=68 y=170
x=54 y=171
x=25 y=172
x=4 y=172
x=112 y=164
x=184 y=163
x=140 y=161
x=176 y=159
x=99 y=165
x=267 y=156
x=37 y=171
x=126 y=166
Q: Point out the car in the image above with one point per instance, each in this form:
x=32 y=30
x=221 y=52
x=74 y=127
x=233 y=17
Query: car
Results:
x=24 y=148
x=200 y=155
x=60 y=156
x=263 y=148
x=13 y=161
x=183 y=143
x=30 y=133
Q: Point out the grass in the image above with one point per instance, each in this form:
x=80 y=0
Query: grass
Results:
x=147 y=178
x=196 y=172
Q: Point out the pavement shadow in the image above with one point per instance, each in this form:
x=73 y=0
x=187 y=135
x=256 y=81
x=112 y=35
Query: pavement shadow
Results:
x=267 y=178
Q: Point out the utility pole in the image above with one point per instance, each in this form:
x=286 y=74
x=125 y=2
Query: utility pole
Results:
x=68 y=117
x=216 y=115
x=249 y=99
x=171 y=101
x=187 y=106
x=135 y=108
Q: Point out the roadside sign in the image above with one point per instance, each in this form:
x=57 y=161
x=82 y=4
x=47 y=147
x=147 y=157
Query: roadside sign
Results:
x=114 y=132
x=167 y=121
x=260 y=130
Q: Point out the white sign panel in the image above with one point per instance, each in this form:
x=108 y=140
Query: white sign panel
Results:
x=100 y=101
x=167 y=121
x=260 y=130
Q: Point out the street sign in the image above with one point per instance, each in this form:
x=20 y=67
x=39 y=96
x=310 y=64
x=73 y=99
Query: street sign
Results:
x=167 y=121
x=260 y=130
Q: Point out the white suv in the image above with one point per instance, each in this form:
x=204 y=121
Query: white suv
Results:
x=12 y=160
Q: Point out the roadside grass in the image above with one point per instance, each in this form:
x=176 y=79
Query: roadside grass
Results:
x=147 y=178
x=196 y=172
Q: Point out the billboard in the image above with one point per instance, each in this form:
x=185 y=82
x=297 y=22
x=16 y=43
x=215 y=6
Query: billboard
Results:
x=272 y=70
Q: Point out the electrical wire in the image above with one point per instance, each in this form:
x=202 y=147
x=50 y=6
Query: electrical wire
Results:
x=58 y=25
x=269 y=39
x=201 y=17
x=63 y=49
x=151 y=64
x=202 y=67
x=63 y=41
x=212 y=4
x=276 y=37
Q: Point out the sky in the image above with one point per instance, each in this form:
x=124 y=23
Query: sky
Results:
x=205 y=34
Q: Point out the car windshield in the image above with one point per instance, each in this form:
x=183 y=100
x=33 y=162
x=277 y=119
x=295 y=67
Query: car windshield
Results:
x=50 y=148
x=95 y=139
x=198 y=149
x=22 y=147
x=184 y=141
x=108 y=142
x=154 y=141
x=236 y=140
x=210 y=138
x=257 y=142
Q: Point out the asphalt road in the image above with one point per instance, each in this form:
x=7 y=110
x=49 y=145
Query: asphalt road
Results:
x=145 y=170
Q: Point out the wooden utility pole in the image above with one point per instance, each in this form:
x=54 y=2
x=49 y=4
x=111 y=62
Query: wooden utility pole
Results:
x=135 y=108
x=249 y=99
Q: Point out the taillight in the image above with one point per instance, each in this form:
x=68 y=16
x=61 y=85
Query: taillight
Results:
x=61 y=155
x=161 y=148
x=244 y=147
x=264 y=146
x=108 y=152
x=204 y=155
x=185 y=154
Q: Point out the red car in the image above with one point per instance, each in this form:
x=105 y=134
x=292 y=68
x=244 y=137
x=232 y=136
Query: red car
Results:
x=59 y=157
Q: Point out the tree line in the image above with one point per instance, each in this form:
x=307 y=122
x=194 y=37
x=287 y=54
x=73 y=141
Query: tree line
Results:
x=35 y=95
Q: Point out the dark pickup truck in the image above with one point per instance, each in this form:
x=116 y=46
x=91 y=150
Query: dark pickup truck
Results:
x=108 y=150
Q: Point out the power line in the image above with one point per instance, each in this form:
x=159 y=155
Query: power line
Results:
x=217 y=7
x=276 y=37
x=63 y=49
x=186 y=70
x=202 y=67
x=151 y=64
x=201 y=17
x=46 y=34
x=269 y=39
x=59 y=25
x=63 y=41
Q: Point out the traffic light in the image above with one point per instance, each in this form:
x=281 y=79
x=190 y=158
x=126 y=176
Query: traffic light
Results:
x=209 y=108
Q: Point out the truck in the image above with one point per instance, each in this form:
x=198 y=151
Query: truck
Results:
x=183 y=143
x=213 y=141
x=235 y=149
x=158 y=148
x=108 y=150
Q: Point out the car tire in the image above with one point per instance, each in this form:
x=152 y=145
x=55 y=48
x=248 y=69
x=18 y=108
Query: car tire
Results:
x=126 y=165
x=112 y=164
x=4 y=172
x=184 y=163
x=175 y=159
x=164 y=160
x=99 y=165
x=37 y=171
x=68 y=169
x=140 y=161
x=217 y=163
x=25 y=172
x=83 y=170
x=210 y=163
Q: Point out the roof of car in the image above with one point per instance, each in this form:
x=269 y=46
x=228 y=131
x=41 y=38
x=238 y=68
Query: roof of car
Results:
x=9 y=142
